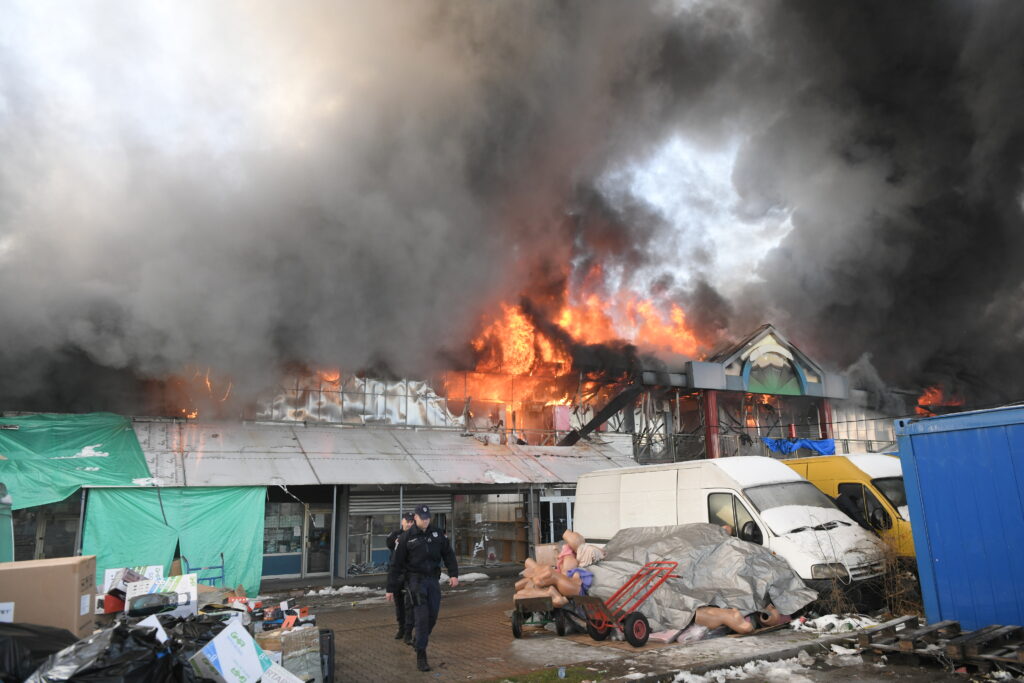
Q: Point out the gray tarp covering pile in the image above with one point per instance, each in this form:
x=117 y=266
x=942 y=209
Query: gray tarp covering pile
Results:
x=715 y=570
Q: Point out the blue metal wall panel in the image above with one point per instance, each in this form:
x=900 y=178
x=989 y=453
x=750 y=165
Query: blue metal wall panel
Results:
x=965 y=487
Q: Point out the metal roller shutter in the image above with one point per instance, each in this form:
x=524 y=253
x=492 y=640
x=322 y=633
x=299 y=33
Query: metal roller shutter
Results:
x=386 y=503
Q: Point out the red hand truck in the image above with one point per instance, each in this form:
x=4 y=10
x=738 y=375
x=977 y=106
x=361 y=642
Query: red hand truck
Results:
x=619 y=611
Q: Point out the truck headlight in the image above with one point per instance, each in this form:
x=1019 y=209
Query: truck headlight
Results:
x=829 y=571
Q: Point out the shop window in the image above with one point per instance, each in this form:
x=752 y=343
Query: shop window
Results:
x=367 y=542
x=282 y=528
x=47 y=531
x=489 y=528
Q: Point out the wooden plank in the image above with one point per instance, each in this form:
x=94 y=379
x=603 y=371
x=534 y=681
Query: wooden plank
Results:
x=888 y=629
x=909 y=641
x=955 y=647
x=974 y=647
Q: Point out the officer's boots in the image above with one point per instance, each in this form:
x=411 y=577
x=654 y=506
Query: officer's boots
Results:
x=408 y=637
x=401 y=633
x=421 y=660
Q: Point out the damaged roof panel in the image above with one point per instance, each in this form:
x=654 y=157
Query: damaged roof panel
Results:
x=252 y=454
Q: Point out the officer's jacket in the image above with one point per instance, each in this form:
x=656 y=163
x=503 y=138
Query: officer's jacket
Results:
x=392 y=539
x=420 y=552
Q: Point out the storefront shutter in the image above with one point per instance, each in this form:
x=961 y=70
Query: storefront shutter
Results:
x=387 y=503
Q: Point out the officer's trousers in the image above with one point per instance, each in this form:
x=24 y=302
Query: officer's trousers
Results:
x=425 y=594
x=402 y=612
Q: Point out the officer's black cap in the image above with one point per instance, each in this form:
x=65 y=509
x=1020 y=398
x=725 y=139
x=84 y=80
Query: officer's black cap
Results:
x=423 y=511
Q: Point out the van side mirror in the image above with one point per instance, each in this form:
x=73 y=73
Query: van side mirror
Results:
x=750 y=532
x=880 y=519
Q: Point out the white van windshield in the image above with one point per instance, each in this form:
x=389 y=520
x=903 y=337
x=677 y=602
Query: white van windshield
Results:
x=797 y=493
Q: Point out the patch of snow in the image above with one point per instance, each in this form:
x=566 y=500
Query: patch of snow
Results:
x=904 y=511
x=783 y=671
x=502 y=478
x=752 y=470
x=342 y=590
x=148 y=481
x=785 y=518
x=846 y=542
x=633 y=676
x=87 y=452
x=876 y=465
x=473 y=576
x=844 y=656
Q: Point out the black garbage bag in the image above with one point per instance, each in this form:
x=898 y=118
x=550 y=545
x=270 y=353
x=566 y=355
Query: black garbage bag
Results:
x=23 y=647
x=187 y=637
x=118 y=654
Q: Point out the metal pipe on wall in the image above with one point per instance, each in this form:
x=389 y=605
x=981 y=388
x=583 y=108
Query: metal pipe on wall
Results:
x=334 y=532
x=81 y=522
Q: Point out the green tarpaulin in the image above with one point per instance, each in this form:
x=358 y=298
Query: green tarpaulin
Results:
x=141 y=526
x=45 y=458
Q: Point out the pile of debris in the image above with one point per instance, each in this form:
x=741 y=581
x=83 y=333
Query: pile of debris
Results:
x=153 y=628
x=688 y=582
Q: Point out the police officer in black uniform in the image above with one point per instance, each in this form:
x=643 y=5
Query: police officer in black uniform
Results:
x=417 y=560
x=403 y=613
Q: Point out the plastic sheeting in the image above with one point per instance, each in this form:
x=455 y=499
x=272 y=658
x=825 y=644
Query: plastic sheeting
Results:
x=787 y=446
x=45 y=458
x=133 y=527
x=714 y=570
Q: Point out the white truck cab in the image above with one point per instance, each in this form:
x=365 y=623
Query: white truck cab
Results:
x=755 y=498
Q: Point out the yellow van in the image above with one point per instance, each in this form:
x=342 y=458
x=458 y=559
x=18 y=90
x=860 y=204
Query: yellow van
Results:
x=869 y=484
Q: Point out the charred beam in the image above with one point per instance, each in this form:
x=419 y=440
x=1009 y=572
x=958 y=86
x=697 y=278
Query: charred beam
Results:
x=624 y=397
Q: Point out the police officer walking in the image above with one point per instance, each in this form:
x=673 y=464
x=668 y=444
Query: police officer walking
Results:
x=403 y=613
x=417 y=560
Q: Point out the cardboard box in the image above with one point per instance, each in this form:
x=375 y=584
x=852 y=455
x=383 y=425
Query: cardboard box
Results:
x=231 y=657
x=546 y=554
x=184 y=587
x=278 y=674
x=117 y=579
x=299 y=650
x=60 y=592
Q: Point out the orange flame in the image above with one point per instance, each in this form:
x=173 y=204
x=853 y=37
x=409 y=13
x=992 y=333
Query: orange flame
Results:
x=935 y=397
x=512 y=344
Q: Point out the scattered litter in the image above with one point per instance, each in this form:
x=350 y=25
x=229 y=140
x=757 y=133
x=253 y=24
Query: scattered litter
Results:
x=844 y=656
x=840 y=650
x=832 y=623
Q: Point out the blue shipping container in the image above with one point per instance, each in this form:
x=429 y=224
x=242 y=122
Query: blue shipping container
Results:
x=964 y=476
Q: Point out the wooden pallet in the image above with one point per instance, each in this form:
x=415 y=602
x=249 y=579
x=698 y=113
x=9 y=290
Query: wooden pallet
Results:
x=982 y=648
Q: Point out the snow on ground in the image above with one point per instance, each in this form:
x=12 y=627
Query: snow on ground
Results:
x=783 y=671
x=467 y=578
x=342 y=590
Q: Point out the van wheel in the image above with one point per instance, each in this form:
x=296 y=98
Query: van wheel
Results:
x=636 y=629
x=517 y=624
x=560 y=625
x=597 y=633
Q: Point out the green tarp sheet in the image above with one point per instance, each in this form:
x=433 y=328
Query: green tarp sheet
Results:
x=140 y=526
x=45 y=458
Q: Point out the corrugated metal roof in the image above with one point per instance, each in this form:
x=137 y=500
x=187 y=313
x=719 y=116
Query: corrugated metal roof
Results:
x=253 y=454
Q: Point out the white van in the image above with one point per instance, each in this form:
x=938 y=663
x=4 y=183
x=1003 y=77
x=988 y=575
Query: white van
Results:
x=755 y=498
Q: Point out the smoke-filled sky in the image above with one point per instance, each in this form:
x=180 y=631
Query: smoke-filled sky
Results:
x=241 y=184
